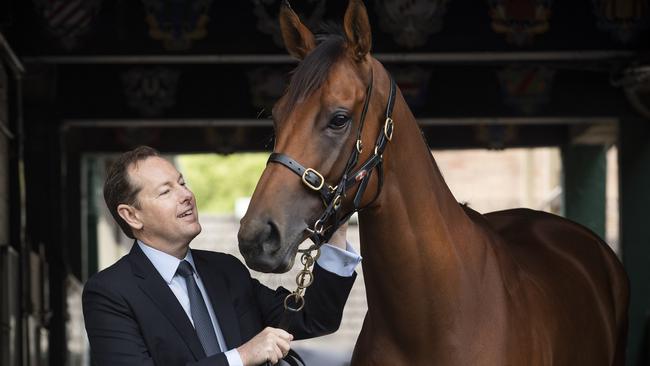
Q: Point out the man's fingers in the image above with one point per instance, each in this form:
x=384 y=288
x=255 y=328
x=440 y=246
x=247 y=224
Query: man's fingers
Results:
x=284 y=347
x=283 y=334
x=278 y=352
x=273 y=354
x=271 y=345
x=272 y=357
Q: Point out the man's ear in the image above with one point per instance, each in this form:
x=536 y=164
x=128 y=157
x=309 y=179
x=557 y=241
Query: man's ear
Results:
x=129 y=214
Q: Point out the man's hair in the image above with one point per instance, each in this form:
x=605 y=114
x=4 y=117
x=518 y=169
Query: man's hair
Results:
x=119 y=189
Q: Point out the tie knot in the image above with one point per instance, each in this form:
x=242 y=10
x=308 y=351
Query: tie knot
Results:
x=185 y=269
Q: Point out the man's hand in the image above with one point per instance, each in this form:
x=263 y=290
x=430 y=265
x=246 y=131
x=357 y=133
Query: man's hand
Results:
x=271 y=344
x=339 y=239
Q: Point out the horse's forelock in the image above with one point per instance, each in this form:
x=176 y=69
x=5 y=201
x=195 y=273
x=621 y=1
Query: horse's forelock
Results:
x=311 y=73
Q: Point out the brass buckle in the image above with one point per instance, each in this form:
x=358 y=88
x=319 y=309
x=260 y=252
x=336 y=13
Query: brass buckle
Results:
x=388 y=128
x=304 y=179
x=359 y=146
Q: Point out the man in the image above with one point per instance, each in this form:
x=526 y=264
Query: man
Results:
x=164 y=304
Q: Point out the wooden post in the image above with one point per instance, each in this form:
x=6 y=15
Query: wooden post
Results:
x=634 y=165
x=584 y=179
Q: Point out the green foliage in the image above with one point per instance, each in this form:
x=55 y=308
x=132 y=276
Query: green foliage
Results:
x=218 y=180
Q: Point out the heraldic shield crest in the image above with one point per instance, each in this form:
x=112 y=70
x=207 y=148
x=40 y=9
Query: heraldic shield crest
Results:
x=177 y=23
x=520 y=20
x=150 y=91
x=411 y=22
x=68 y=21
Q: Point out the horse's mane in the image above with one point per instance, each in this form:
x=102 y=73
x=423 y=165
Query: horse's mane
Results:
x=310 y=74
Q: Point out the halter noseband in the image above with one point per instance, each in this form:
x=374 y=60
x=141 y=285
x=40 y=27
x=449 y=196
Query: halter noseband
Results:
x=332 y=195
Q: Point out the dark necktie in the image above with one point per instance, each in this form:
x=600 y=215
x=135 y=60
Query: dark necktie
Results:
x=199 y=311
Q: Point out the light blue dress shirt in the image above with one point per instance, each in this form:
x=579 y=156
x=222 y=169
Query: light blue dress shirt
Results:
x=332 y=259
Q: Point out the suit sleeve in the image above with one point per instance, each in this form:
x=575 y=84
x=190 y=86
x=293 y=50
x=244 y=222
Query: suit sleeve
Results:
x=114 y=334
x=323 y=310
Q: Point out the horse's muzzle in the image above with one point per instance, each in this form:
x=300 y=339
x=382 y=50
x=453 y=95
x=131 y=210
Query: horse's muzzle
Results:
x=259 y=244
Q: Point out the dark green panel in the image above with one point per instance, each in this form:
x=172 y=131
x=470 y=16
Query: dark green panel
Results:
x=634 y=162
x=585 y=170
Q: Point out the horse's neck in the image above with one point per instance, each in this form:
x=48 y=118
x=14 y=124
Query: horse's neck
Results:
x=416 y=209
x=417 y=241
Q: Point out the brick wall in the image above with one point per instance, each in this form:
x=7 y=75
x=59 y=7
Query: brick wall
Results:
x=497 y=180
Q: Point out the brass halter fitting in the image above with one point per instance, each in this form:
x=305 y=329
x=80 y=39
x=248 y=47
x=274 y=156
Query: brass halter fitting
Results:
x=308 y=184
x=337 y=202
x=388 y=128
x=319 y=227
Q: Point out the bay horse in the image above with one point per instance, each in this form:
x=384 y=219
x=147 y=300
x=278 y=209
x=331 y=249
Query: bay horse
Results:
x=445 y=285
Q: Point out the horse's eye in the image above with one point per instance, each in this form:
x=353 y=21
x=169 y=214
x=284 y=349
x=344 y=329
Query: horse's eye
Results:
x=339 y=121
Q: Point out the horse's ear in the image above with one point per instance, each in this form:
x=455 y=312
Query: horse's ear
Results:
x=297 y=38
x=357 y=29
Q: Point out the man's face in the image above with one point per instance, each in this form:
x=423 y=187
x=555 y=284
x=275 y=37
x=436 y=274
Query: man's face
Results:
x=167 y=208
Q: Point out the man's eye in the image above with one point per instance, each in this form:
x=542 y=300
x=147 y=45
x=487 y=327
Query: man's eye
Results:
x=339 y=121
x=164 y=192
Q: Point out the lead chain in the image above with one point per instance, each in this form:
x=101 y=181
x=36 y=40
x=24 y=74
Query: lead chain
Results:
x=304 y=278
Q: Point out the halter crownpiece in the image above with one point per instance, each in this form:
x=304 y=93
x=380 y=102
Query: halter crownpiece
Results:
x=332 y=195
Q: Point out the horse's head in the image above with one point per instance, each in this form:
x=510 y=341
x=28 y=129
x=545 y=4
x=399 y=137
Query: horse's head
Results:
x=317 y=124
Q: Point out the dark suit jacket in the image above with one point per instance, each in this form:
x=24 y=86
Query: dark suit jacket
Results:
x=133 y=318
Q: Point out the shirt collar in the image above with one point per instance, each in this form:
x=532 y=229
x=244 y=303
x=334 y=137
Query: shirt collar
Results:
x=164 y=263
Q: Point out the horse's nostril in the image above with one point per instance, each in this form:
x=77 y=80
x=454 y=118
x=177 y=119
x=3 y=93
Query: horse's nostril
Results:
x=271 y=242
x=259 y=238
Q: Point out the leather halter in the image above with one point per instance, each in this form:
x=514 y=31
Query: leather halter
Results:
x=332 y=196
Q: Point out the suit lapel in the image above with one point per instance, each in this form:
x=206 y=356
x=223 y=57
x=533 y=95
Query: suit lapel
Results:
x=152 y=284
x=217 y=290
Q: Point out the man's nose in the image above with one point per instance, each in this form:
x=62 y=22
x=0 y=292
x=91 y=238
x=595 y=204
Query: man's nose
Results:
x=185 y=194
